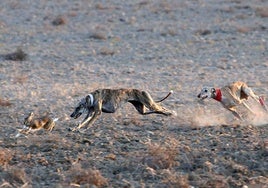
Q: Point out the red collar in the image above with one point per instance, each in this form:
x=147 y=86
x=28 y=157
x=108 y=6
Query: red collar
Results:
x=261 y=99
x=218 y=96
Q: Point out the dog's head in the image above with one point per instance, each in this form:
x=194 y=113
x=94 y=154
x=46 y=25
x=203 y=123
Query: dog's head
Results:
x=207 y=92
x=28 y=119
x=84 y=105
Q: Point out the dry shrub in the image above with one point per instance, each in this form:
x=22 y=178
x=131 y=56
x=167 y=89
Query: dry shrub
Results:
x=4 y=102
x=133 y=121
x=170 y=32
x=262 y=12
x=161 y=156
x=59 y=20
x=20 y=79
x=258 y=180
x=98 y=35
x=5 y=156
x=216 y=182
x=18 y=55
x=162 y=7
x=243 y=29
x=208 y=180
x=107 y=51
x=100 y=6
x=80 y=176
x=238 y=168
x=174 y=179
x=203 y=32
x=16 y=177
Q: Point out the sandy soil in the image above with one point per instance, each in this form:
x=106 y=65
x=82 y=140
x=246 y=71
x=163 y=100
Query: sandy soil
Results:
x=74 y=47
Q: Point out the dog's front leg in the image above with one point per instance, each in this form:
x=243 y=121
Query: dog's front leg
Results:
x=237 y=115
x=86 y=119
x=89 y=120
x=97 y=113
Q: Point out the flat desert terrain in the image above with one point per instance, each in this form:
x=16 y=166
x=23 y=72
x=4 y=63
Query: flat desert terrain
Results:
x=53 y=53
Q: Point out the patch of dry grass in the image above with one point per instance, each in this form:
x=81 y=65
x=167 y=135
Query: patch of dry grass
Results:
x=20 y=79
x=18 y=55
x=98 y=35
x=203 y=32
x=161 y=156
x=132 y=121
x=243 y=29
x=173 y=179
x=59 y=20
x=14 y=177
x=79 y=176
x=262 y=11
x=4 y=102
x=107 y=51
x=5 y=156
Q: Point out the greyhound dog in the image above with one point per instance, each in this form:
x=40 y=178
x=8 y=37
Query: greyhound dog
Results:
x=231 y=96
x=109 y=100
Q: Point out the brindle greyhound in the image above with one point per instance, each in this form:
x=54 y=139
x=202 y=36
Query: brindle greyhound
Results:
x=109 y=100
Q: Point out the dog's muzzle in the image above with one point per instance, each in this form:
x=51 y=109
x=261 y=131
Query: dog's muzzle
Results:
x=75 y=115
x=201 y=97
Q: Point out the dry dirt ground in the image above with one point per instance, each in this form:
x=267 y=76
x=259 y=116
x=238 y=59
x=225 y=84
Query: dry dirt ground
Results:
x=69 y=48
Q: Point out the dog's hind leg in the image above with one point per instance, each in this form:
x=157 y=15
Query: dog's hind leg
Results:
x=138 y=105
x=153 y=107
x=141 y=108
x=248 y=91
x=166 y=113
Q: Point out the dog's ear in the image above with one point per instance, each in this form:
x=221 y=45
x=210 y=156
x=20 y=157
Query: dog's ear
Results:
x=88 y=100
x=213 y=91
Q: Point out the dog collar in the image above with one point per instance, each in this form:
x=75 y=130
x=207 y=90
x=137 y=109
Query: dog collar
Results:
x=218 y=96
x=261 y=100
x=91 y=99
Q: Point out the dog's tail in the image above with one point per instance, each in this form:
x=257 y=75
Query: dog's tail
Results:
x=170 y=92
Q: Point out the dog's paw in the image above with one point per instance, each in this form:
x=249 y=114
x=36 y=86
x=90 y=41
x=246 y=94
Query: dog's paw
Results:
x=174 y=113
x=72 y=129
x=76 y=130
x=17 y=135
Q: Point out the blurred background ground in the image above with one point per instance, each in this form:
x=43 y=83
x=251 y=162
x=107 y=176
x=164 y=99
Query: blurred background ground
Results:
x=74 y=47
